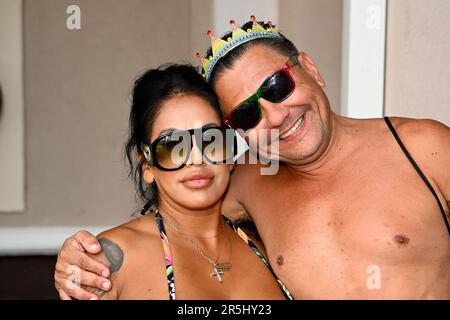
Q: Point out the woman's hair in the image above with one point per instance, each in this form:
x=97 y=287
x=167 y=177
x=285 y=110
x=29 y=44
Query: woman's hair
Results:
x=281 y=45
x=150 y=91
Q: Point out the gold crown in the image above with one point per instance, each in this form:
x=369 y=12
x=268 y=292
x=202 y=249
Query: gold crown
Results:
x=221 y=47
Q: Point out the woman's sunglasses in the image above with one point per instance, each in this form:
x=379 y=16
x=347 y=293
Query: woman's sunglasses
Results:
x=276 y=88
x=171 y=151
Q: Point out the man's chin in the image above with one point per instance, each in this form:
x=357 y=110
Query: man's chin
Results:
x=298 y=154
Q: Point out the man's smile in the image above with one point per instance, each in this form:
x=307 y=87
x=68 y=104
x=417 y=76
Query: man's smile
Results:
x=294 y=128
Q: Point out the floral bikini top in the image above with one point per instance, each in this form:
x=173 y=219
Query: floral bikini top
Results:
x=241 y=234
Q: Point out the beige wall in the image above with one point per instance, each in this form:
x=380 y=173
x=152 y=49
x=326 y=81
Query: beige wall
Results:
x=77 y=96
x=418 y=59
x=77 y=86
x=315 y=26
x=77 y=91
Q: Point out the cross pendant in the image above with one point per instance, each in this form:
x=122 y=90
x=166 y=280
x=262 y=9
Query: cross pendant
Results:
x=217 y=273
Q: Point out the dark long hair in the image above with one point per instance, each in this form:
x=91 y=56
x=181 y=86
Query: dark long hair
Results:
x=150 y=91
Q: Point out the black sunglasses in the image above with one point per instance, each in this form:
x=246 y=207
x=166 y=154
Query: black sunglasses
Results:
x=275 y=88
x=171 y=151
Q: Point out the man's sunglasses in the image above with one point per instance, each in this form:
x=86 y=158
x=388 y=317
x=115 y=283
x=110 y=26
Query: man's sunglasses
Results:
x=276 y=88
x=171 y=151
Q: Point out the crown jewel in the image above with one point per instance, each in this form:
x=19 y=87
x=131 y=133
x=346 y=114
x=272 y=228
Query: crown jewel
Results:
x=239 y=36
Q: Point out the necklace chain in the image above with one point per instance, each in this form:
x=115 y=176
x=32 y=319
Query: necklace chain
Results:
x=194 y=244
x=218 y=268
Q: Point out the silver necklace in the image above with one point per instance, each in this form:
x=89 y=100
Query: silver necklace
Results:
x=218 y=269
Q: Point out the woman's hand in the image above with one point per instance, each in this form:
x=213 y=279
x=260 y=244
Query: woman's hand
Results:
x=75 y=269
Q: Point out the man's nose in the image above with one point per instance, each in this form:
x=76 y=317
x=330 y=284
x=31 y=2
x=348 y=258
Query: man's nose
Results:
x=273 y=113
x=196 y=156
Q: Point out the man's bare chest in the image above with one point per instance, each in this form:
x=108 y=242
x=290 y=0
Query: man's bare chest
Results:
x=390 y=215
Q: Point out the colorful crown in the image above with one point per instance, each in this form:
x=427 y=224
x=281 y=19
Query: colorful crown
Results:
x=221 y=47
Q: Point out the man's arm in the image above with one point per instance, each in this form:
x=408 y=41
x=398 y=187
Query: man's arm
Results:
x=232 y=207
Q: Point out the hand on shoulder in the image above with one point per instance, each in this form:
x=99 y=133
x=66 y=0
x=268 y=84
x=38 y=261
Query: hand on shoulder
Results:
x=118 y=245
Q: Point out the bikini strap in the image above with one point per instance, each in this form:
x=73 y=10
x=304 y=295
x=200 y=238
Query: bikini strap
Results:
x=240 y=233
x=167 y=256
x=421 y=174
x=255 y=249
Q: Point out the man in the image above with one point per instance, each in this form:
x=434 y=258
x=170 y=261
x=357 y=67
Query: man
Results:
x=359 y=208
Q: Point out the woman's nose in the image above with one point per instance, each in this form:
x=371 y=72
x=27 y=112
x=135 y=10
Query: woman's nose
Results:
x=196 y=156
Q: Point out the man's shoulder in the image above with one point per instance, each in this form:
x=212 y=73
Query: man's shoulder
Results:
x=247 y=170
x=426 y=134
x=242 y=177
x=244 y=181
x=428 y=142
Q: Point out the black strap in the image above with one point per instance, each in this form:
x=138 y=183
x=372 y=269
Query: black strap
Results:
x=416 y=167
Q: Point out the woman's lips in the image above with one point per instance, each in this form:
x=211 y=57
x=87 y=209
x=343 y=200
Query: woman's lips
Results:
x=197 y=180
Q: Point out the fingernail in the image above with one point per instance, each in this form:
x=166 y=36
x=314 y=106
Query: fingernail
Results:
x=94 y=247
x=105 y=285
x=93 y=298
x=105 y=273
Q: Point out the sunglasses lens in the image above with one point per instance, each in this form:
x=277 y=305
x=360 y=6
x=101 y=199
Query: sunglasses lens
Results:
x=278 y=87
x=218 y=144
x=246 y=116
x=173 y=150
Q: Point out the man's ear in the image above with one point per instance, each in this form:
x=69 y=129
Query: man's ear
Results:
x=310 y=67
x=146 y=169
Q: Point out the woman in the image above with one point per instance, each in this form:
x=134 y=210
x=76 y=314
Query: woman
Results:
x=183 y=248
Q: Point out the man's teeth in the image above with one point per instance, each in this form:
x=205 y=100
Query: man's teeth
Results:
x=294 y=128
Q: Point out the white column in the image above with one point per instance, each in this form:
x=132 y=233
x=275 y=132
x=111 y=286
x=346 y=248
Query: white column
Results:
x=12 y=150
x=363 y=58
x=240 y=11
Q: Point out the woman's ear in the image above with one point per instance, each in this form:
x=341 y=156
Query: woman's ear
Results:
x=146 y=169
x=310 y=67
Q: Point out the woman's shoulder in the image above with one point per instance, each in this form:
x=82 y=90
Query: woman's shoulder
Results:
x=132 y=237
x=132 y=231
